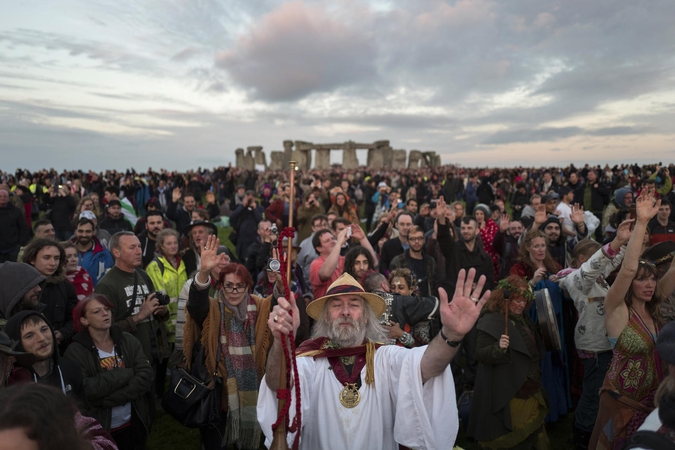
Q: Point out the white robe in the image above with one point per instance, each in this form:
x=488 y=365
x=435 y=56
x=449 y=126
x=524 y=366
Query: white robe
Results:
x=398 y=409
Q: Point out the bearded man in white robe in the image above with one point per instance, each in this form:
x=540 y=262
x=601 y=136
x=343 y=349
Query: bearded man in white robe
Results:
x=357 y=394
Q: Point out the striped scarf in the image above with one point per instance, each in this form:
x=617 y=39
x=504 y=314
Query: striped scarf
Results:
x=237 y=342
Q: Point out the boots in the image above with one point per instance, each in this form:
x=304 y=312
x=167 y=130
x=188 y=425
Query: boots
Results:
x=580 y=439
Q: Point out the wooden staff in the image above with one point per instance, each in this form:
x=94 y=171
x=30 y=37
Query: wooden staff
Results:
x=506 y=312
x=279 y=440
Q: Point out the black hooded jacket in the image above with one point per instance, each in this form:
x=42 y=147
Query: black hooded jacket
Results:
x=65 y=375
x=59 y=299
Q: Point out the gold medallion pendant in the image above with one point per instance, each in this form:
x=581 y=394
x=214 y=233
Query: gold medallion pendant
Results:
x=350 y=395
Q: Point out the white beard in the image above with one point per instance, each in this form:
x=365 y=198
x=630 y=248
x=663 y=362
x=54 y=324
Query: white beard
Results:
x=347 y=336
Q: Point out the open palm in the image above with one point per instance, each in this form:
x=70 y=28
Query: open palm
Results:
x=459 y=315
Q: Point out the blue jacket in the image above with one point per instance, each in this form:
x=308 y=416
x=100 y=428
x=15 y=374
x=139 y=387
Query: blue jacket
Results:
x=96 y=261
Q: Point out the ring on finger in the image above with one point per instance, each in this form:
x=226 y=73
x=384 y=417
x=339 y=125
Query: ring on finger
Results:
x=275 y=319
x=473 y=299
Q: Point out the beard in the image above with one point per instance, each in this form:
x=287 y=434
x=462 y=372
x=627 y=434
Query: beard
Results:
x=346 y=336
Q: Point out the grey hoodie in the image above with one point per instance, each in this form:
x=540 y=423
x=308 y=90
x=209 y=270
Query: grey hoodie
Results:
x=15 y=280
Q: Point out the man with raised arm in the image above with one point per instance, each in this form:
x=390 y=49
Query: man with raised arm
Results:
x=352 y=390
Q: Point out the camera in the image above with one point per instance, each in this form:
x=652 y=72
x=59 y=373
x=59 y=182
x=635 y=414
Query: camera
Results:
x=274 y=229
x=273 y=265
x=162 y=298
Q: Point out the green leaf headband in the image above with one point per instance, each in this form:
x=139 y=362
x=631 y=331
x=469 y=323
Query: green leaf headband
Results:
x=527 y=294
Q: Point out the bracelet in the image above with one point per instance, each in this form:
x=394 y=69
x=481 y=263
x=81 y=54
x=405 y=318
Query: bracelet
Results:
x=406 y=339
x=453 y=344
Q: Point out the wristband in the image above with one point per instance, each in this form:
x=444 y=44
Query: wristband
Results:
x=453 y=344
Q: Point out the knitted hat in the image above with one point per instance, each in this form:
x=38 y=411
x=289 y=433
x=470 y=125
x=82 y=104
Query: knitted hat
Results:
x=619 y=195
x=346 y=285
x=483 y=207
x=552 y=218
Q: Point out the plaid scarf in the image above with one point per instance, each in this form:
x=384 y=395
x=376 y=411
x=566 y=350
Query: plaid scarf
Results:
x=237 y=341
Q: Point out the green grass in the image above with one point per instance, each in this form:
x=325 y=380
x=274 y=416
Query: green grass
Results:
x=167 y=434
x=559 y=433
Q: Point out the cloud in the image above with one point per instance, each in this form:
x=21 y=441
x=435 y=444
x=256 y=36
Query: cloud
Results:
x=186 y=53
x=551 y=134
x=297 y=50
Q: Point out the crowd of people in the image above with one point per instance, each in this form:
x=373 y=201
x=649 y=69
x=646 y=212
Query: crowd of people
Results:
x=412 y=294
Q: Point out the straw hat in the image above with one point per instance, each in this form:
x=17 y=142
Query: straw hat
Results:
x=346 y=285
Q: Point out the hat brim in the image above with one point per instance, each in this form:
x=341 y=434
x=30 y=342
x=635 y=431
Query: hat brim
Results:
x=377 y=303
x=22 y=358
x=210 y=225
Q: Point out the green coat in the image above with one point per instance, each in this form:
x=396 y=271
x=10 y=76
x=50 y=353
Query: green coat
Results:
x=500 y=374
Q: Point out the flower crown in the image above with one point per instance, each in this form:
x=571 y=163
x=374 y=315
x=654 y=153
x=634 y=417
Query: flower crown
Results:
x=527 y=294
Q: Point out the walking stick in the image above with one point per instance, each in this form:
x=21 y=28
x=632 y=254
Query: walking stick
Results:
x=507 y=294
x=279 y=439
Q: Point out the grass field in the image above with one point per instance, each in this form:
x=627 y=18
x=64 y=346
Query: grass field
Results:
x=167 y=434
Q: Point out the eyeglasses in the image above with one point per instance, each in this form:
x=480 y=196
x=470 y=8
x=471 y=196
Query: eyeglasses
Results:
x=231 y=288
x=416 y=239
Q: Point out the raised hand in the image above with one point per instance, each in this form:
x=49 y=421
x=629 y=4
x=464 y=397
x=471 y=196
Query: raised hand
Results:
x=577 y=214
x=175 y=194
x=540 y=215
x=357 y=231
x=504 y=223
x=459 y=316
x=441 y=206
x=646 y=205
x=280 y=320
x=624 y=231
x=209 y=257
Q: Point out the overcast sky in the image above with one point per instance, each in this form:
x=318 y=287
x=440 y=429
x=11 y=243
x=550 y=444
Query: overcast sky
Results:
x=183 y=83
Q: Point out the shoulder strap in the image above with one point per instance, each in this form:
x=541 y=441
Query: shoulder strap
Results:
x=218 y=349
x=132 y=304
x=650 y=440
x=160 y=264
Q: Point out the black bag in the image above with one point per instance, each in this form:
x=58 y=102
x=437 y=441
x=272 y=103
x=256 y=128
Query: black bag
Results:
x=194 y=397
x=650 y=440
x=234 y=236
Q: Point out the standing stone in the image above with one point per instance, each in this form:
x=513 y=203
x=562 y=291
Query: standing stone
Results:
x=414 y=158
x=387 y=156
x=301 y=157
x=277 y=160
x=322 y=159
x=375 y=158
x=239 y=153
x=288 y=152
x=398 y=159
x=437 y=161
x=349 y=159
x=258 y=155
x=249 y=162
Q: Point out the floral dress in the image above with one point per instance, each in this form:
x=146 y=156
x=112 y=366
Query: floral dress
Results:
x=633 y=375
x=487 y=234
